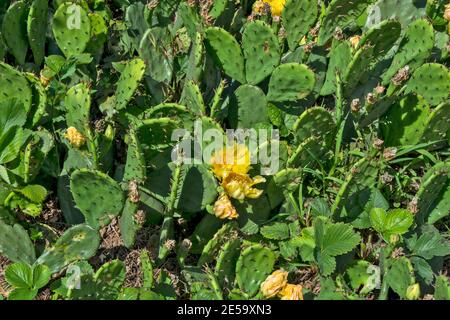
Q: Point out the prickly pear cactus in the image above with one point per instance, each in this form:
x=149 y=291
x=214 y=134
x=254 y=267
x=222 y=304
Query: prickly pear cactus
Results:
x=261 y=51
x=98 y=196
x=77 y=243
x=416 y=45
x=128 y=82
x=431 y=81
x=297 y=18
x=14 y=30
x=13 y=85
x=228 y=52
x=340 y=14
x=253 y=266
x=71 y=28
x=37 y=29
x=433 y=196
x=291 y=82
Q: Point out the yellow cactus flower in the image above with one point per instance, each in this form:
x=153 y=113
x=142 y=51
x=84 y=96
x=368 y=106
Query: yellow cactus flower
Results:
x=274 y=283
x=291 y=292
x=75 y=138
x=234 y=159
x=276 y=6
x=224 y=209
x=240 y=186
x=354 y=41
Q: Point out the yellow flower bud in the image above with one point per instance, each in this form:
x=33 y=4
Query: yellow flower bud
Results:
x=413 y=292
x=75 y=138
x=276 y=6
x=291 y=292
x=274 y=283
x=224 y=209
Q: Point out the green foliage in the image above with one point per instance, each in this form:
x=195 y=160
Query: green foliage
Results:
x=110 y=111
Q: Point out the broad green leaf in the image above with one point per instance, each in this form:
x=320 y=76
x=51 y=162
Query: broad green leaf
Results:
x=394 y=222
x=13 y=114
x=147 y=270
x=19 y=275
x=275 y=231
x=339 y=239
x=398 y=221
x=430 y=244
x=22 y=294
x=400 y=276
x=41 y=276
x=34 y=193
x=442 y=291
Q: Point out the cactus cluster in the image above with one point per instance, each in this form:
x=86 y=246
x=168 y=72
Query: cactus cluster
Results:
x=186 y=149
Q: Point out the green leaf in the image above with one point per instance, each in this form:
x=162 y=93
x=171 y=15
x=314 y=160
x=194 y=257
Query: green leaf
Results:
x=34 y=193
x=400 y=276
x=147 y=270
x=339 y=239
x=430 y=244
x=41 y=276
x=394 y=222
x=442 y=291
x=19 y=275
x=22 y=294
x=275 y=231
x=13 y=114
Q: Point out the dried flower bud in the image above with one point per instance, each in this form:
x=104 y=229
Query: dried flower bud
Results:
x=380 y=90
x=355 y=106
x=390 y=153
x=378 y=143
x=170 y=244
x=371 y=99
x=401 y=76
x=338 y=34
x=139 y=217
x=413 y=205
x=386 y=178
x=133 y=191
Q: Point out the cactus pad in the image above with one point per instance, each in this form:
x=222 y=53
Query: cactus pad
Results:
x=77 y=243
x=340 y=13
x=416 y=45
x=434 y=194
x=250 y=107
x=253 y=266
x=128 y=82
x=71 y=28
x=431 y=81
x=261 y=51
x=97 y=195
x=382 y=37
x=14 y=30
x=37 y=29
x=227 y=51
x=13 y=85
x=291 y=82
x=313 y=122
x=298 y=17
